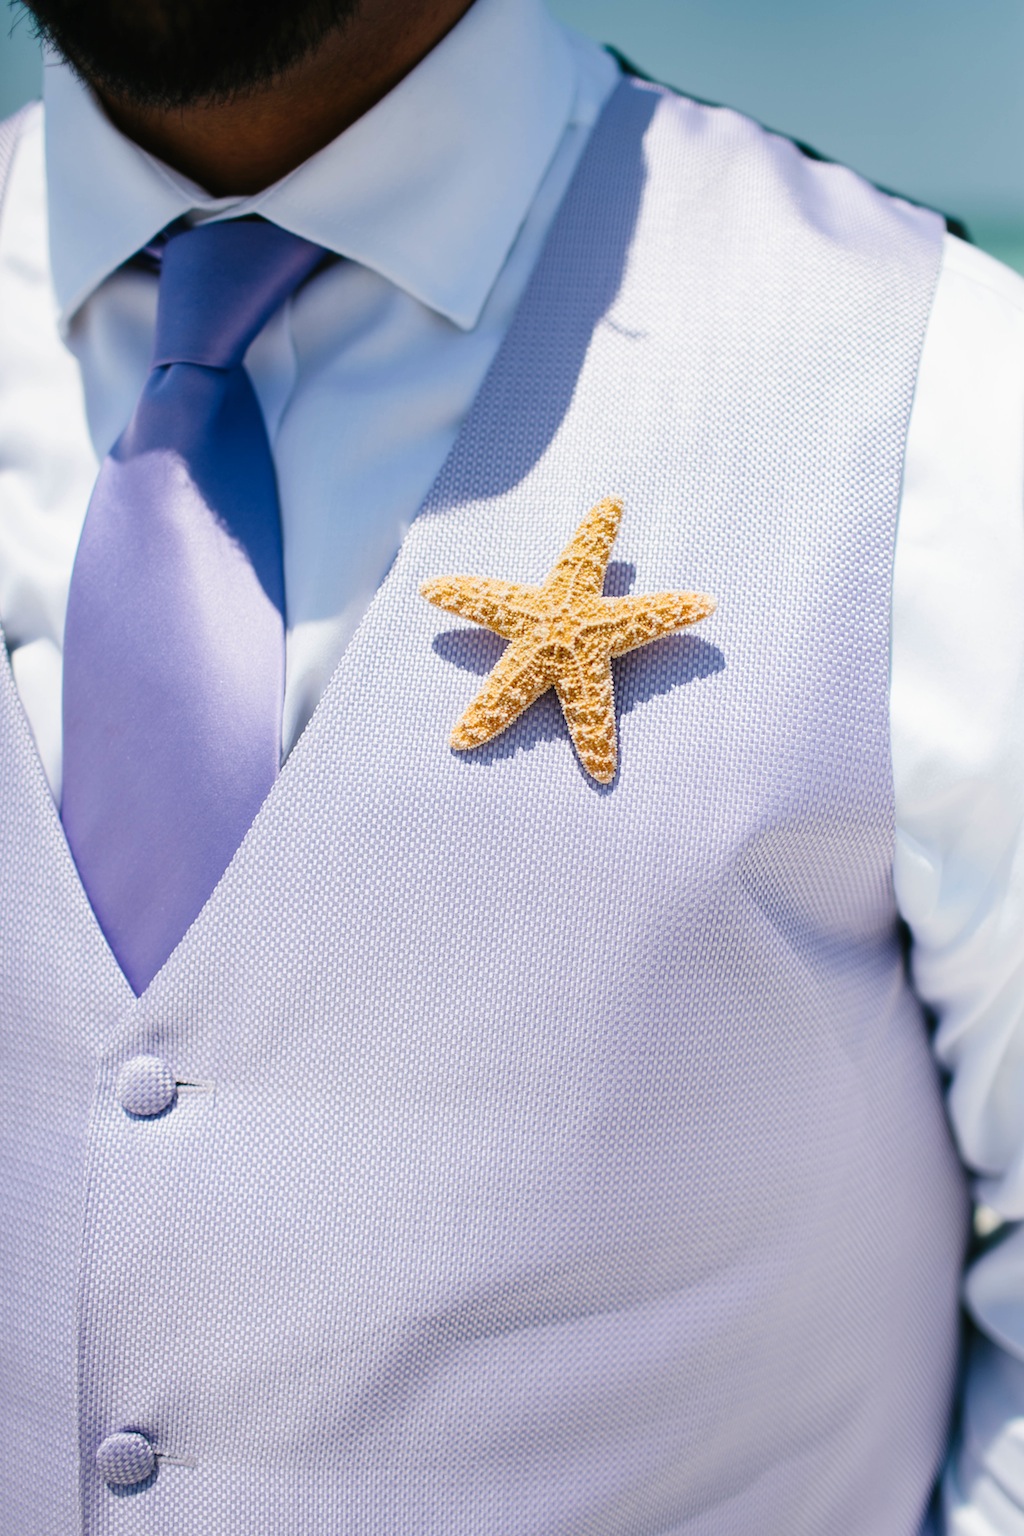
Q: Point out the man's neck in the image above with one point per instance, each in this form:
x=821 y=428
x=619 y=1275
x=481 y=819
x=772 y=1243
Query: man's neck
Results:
x=241 y=146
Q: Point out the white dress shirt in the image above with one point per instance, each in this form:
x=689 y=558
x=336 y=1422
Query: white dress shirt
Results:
x=439 y=198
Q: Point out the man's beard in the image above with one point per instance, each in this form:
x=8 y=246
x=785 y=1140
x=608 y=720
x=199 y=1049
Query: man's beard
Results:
x=175 y=53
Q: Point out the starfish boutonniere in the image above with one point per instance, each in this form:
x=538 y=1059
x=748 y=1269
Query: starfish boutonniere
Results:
x=563 y=634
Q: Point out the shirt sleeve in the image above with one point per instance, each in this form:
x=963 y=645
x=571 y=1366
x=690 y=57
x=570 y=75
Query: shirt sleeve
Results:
x=957 y=710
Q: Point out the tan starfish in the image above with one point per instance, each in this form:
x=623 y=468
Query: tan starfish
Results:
x=563 y=635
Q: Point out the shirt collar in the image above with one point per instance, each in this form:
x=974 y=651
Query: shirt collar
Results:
x=429 y=188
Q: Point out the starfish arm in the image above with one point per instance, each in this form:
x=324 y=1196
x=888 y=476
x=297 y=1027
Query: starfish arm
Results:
x=498 y=605
x=629 y=622
x=519 y=677
x=585 y=693
x=583 y=563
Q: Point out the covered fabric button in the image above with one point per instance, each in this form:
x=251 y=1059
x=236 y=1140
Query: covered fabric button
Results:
x=125 y=1458
x=145 y=1085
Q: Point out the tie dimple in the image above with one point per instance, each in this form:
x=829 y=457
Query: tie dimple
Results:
x=174 y=637
x=220 y=284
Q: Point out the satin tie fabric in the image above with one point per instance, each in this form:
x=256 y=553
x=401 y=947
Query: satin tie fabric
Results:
x=174 y=637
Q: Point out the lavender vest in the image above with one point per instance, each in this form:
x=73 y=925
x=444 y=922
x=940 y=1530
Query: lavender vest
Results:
x=548 y=1159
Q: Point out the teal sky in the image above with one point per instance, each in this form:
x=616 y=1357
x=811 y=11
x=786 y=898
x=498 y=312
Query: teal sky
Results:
x=923 y=95
x=926 y=96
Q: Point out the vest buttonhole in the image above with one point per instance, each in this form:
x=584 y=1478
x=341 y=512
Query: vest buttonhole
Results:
x=175 y=1461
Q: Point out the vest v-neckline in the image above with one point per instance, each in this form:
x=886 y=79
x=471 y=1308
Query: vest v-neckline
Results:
x=66 y=871
x=457 y=486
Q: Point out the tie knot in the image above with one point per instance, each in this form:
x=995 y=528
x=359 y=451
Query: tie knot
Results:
x=220 y=284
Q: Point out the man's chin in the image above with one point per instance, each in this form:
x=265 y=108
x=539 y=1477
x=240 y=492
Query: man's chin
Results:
x=185 y=53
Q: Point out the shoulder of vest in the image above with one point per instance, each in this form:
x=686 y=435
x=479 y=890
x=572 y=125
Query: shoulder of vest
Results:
x=10 y=130
x=954 y=225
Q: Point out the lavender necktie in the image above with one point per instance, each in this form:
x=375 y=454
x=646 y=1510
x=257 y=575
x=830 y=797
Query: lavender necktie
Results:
x=174 y=640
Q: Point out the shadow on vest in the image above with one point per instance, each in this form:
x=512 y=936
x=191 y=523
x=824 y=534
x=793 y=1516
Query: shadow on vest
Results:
x=573 y=286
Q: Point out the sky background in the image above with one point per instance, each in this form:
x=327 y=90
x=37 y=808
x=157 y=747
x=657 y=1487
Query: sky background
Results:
x=925 y=96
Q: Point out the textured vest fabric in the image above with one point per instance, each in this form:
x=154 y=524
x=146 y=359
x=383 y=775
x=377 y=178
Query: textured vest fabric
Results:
x=548 y=1158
